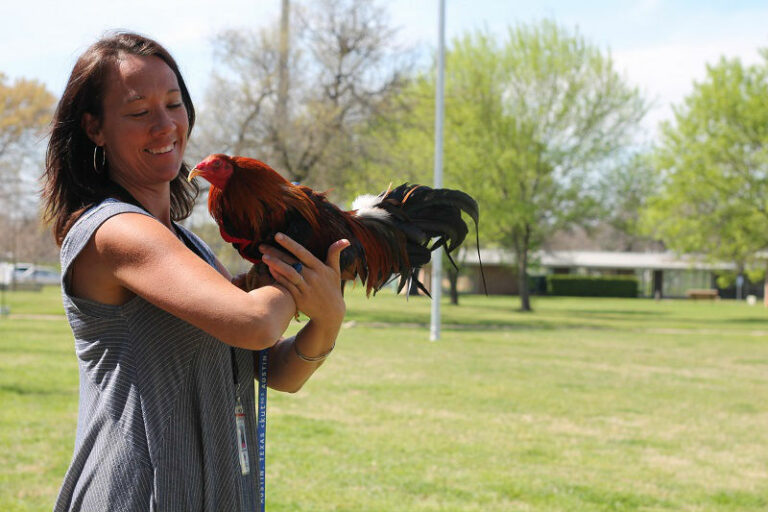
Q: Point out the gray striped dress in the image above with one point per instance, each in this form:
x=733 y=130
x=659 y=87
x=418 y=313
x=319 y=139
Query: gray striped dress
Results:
x=156 y=428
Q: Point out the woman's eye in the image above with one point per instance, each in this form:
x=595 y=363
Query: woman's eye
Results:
x=175 y=105
x=139 y=114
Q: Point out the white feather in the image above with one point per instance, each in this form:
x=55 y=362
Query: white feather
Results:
x=365 y=201
x=366 y=206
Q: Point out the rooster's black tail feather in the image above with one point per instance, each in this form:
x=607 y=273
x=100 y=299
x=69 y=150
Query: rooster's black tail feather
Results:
x=422 y=219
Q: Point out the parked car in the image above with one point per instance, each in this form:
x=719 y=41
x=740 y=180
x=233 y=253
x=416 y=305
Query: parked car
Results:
x=28 y=273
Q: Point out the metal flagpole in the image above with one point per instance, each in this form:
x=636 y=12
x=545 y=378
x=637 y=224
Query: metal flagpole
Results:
x=437 y=256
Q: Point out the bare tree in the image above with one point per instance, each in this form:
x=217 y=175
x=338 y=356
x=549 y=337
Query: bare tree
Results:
x=24 y=238
x=26 y=107
x=300 y=105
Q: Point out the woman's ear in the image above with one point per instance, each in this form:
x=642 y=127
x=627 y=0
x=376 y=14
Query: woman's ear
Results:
x=92 y=127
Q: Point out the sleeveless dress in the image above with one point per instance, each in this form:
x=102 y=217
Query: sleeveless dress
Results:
x=156 y=427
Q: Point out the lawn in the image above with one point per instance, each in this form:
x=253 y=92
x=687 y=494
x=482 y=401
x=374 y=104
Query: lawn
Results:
x=582 y=405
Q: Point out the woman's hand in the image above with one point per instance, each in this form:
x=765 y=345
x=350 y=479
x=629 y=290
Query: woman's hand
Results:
x=317 y=288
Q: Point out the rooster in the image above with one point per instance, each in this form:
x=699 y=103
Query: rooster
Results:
x=389 y=234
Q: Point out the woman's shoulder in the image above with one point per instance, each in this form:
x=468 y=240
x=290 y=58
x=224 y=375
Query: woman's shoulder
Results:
x=91 y=220
x=94 y=216
x=112 y=206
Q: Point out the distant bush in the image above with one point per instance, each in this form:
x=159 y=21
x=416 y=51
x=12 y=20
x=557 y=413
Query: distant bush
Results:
x=592 y=286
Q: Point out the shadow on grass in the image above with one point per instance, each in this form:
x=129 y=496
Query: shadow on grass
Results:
x=21 y=350
x=462 y=324
x=22 y=390
x=762 y=321
x=609 y=313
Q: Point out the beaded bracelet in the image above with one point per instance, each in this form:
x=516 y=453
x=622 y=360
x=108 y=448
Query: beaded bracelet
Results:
x=314 y=359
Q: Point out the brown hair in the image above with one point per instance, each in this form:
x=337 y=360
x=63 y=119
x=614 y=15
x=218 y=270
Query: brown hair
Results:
x=71 y=185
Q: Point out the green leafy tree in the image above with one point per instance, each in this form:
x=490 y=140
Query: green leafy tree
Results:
x=713 y=165
x=530 y=122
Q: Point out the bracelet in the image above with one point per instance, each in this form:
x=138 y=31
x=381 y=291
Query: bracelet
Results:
x=312 y=359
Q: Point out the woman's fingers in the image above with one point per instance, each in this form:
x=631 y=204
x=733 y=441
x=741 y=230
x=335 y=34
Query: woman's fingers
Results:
x=302 y=254
x=307 y=258
x=283 y=269
x=277 y=253
x=334 y=253
x=291 y=286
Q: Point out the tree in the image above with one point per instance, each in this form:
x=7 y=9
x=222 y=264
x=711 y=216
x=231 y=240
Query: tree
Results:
x=529 y=124
x=624 y=191
x=24 y=238
x=298 y=105
x=26 y=107
x=712 y=162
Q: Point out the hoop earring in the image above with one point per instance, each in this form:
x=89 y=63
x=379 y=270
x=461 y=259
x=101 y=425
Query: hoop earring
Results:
x=103 y=159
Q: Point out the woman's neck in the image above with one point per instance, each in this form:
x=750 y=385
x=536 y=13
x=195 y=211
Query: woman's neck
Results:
x=157 y=201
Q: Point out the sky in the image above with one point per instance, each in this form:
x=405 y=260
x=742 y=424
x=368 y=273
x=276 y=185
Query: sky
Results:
x=660 y=46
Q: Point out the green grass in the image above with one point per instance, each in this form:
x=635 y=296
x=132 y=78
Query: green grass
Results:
x=583 y=405
x=45 y=302
x=38 y=400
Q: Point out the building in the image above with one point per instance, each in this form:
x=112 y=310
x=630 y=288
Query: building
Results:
x=662 y=273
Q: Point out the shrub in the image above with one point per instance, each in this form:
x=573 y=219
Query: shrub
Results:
x=592 y=286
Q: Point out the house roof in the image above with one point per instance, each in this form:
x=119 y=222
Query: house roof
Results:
x=628 y=260
x=598 y=260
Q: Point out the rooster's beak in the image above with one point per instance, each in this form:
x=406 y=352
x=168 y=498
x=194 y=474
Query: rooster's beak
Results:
x=194 y=172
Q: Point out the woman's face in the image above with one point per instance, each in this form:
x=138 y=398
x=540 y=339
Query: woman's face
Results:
x=144 y=123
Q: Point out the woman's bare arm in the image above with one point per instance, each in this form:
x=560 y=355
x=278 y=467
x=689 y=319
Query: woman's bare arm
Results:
x=135 y=254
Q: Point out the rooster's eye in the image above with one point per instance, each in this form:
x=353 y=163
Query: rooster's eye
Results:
x=217 y=164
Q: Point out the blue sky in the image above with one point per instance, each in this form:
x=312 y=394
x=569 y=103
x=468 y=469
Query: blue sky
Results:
x=661 y=46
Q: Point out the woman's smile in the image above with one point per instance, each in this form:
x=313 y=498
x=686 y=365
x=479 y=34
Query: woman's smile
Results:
x=162 y=150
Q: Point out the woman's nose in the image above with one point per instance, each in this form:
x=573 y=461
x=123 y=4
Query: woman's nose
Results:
x=162 y=123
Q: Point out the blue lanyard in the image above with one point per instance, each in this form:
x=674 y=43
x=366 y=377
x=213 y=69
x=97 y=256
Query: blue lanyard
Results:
x=261 y=428
x=261 y=423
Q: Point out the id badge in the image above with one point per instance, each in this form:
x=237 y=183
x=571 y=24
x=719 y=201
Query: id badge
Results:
x=242 y=446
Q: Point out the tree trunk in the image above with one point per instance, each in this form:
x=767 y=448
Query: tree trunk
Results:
x=453 y=279
x=522 y=282
x=521 y=248
x=765 y=287
x=282 y=82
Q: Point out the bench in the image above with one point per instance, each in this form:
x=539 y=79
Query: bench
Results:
x=702 y=294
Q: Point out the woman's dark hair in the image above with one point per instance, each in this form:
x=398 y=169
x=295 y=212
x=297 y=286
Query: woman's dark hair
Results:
x=71 y=183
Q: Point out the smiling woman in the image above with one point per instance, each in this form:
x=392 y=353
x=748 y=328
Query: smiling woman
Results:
x=165 y=342
x=143 y=131
x=75 y=176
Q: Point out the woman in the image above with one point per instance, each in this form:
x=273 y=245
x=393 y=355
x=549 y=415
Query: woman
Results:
x=165 y=342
